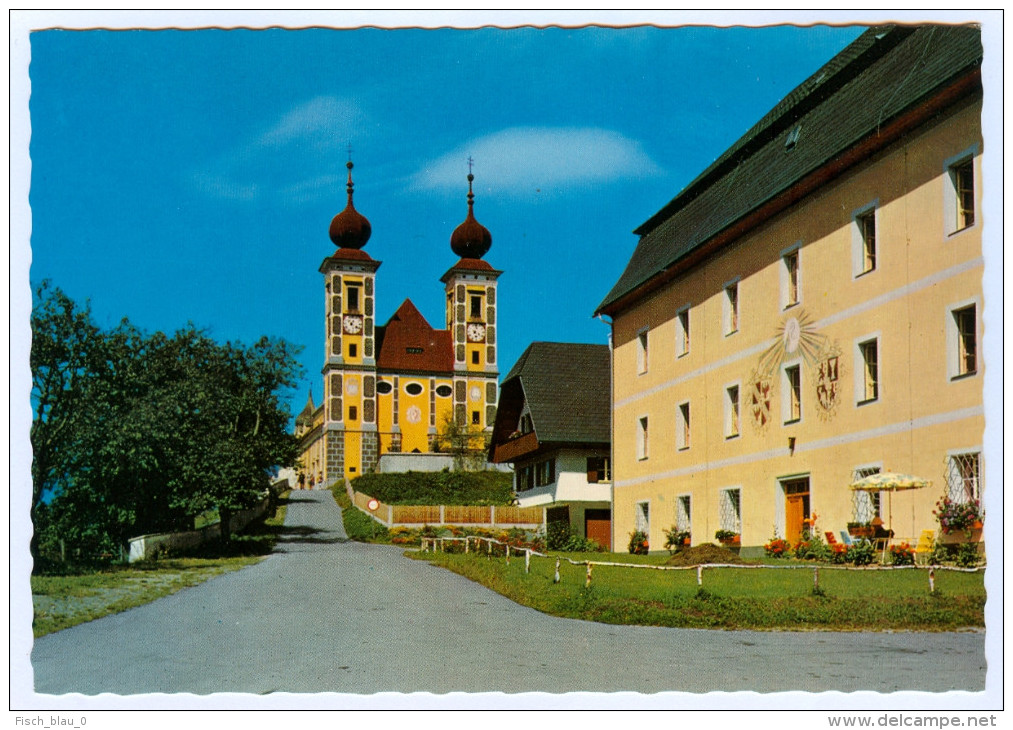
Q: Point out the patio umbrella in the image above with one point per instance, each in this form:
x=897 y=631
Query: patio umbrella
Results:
x=888 y=481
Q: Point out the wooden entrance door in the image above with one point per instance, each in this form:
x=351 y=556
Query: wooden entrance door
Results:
x=598 y=527
x=796 y=508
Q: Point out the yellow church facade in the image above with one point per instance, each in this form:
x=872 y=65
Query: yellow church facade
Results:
x=809 y=310
x=392 y=388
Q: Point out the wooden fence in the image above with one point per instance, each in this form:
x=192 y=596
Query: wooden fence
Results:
x=414 y=515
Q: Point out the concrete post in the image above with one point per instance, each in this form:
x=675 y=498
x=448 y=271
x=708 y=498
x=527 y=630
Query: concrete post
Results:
x=555 y=578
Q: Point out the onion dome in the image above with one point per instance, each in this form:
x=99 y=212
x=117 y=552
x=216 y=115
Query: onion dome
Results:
x=471 y=240
x=349 y=228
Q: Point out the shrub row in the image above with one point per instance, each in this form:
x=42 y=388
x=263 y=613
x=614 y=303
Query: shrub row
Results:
x=442 y=487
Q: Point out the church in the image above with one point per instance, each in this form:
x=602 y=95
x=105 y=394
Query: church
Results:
x=393 y=388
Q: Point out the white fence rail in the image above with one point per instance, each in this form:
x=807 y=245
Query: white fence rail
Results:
x=438 y=544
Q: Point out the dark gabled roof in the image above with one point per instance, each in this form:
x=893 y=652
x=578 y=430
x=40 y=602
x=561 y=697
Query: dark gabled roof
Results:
x=884 y=73
x=566 y=389
x=407 y=343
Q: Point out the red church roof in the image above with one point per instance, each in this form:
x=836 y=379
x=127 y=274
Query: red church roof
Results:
x=408 y=343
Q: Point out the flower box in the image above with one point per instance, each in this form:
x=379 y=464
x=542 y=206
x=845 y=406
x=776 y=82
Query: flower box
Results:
x=958 y=537
x=866 y=531
x=736 y=540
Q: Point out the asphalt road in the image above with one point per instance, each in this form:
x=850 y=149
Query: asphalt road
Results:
x=323 y=614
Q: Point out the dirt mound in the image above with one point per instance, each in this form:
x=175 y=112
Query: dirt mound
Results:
x=704 y=554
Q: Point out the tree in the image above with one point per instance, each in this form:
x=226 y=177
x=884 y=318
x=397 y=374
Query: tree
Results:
x=468 y=446
x=136 y=434
x=68 y=362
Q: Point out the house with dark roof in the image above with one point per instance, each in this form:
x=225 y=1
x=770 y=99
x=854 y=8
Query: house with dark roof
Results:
x=807 y=311
x=553 y=426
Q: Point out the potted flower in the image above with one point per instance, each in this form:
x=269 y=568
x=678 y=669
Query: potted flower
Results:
x=638 y=543
x=676 y=539
x=955 y=517
x=861 y=529
x=728 y=537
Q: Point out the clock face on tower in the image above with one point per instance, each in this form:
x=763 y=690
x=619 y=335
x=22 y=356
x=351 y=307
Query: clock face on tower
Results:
x=352 y=324
x=476 y=332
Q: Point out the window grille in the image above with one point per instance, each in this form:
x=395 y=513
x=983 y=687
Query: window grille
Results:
x=963 y=477
x=644 y=517
x=731 y=511
x=865 y=505
x=683 y=513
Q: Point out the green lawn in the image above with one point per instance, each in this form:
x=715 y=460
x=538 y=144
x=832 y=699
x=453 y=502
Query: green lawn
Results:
x=62 y=601
x=732 y=598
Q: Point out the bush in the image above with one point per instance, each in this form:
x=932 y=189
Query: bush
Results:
x=838 y=553
x=777 y=548
x=557 y=534
x=362 y=527
x=638 y=543
x=967 y=555
x=443 y=487
x=812 y=548
x=902 y=554
x=860 y=553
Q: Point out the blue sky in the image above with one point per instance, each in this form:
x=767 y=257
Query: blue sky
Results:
x=191 y=175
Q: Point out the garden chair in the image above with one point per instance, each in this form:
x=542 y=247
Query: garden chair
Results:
x=831 y=540
x=925 y=546
x=845 y=538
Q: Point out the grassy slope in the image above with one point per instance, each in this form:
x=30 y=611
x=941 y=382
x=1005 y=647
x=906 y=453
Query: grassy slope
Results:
x=734 y=598
x=62 y=601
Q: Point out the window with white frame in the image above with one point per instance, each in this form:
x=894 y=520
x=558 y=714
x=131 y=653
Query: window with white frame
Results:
x=683 y=513
x=959 y=192
x=791 y=403
x=682 y=332
x=867 y=373
x=682 y=426
x=791 y=292
x=732 y=421
x=963 y=477
x=731 y=308
x=642 y=351
x=643 y=517
x=865 y=506
x=731 y=510
x=864 y=240
x=963 y=340
x=642 y=434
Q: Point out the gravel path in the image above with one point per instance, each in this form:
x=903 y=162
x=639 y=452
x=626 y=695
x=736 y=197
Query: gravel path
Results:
x=323 y=614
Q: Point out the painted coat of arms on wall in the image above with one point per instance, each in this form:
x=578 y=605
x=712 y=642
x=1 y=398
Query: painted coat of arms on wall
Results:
x=826 y=379
x=760 y=391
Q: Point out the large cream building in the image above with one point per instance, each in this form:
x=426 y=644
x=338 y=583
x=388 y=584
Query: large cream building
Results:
x=809 y=309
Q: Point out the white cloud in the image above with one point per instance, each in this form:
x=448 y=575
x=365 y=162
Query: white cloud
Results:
x=544 y=158
x=290 y=159
x=325 y=119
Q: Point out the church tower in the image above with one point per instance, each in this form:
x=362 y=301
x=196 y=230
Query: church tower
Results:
x=470 y=289
x=350 y=425
x=390 y=388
